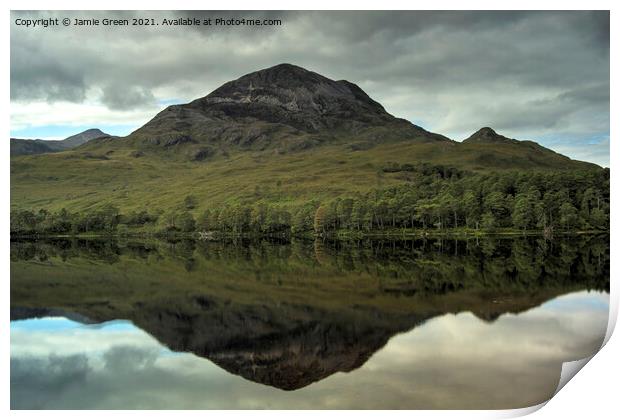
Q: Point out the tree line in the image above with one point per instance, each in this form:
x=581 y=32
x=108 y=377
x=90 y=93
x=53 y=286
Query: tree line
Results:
x=421 y=265
x=432 y=198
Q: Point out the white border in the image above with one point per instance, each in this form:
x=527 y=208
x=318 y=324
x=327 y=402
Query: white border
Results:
x=593 y=393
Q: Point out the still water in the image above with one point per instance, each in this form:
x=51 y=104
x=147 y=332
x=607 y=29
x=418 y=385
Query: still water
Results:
x=406 y=324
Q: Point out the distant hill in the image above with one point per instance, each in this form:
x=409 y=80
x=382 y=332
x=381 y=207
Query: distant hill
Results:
x=81 y=138
x=488 y=149
x=30 y=147
x=36 y=147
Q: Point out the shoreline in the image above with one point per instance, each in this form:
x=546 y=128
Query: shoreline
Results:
x=336 y=236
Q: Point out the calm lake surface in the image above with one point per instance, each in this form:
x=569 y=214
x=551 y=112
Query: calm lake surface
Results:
x=377 y=324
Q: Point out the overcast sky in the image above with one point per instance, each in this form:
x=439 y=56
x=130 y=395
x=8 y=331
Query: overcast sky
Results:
x=541 y=76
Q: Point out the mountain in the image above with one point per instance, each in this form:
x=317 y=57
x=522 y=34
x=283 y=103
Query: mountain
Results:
x=283 y=135
x=493 y=149
x=284 y=107
x=81 y=138
x=35 y=147
x=487 y=135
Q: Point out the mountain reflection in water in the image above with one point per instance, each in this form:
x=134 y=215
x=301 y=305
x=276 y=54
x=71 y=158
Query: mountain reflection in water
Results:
x=296 y=317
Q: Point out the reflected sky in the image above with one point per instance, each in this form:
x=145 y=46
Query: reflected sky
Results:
x=451 y=361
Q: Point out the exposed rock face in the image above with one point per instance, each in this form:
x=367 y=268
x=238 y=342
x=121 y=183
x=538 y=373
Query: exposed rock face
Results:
x=296 y=97
x=283 y=106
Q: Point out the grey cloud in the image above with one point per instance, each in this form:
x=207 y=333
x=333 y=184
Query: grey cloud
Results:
x=117 y=96
x=36 y=382
x=37 y=74
x=552 y=112
x=129 y=358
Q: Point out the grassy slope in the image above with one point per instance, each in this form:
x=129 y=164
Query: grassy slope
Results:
x=156 y=181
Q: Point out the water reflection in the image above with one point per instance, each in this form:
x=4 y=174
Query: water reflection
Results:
x=430 y=324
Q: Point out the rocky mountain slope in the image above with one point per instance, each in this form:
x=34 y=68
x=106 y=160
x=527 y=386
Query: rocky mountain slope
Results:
x=284 y=107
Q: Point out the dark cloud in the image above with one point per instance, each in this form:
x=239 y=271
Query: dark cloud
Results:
x=127 y=358
x=35 y=74
x=117 y=96
x=454 y=71
x=36 y=382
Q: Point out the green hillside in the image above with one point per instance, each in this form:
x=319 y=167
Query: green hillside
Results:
x=272 y=147
x=82 y=180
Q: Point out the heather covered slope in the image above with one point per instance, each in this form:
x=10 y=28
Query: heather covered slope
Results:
x=83 y=180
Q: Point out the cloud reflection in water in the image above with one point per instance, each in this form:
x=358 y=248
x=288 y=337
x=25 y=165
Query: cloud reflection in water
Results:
x=452 y=361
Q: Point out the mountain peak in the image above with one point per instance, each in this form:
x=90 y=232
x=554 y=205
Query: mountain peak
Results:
x=285 y=68
x=284 y=107
x=282 y=74
x=294 y=89
x=93 y=131
x=488 y=135
x=83 y=137
x=486 y=131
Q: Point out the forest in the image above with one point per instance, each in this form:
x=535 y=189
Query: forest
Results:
x=432 y=198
